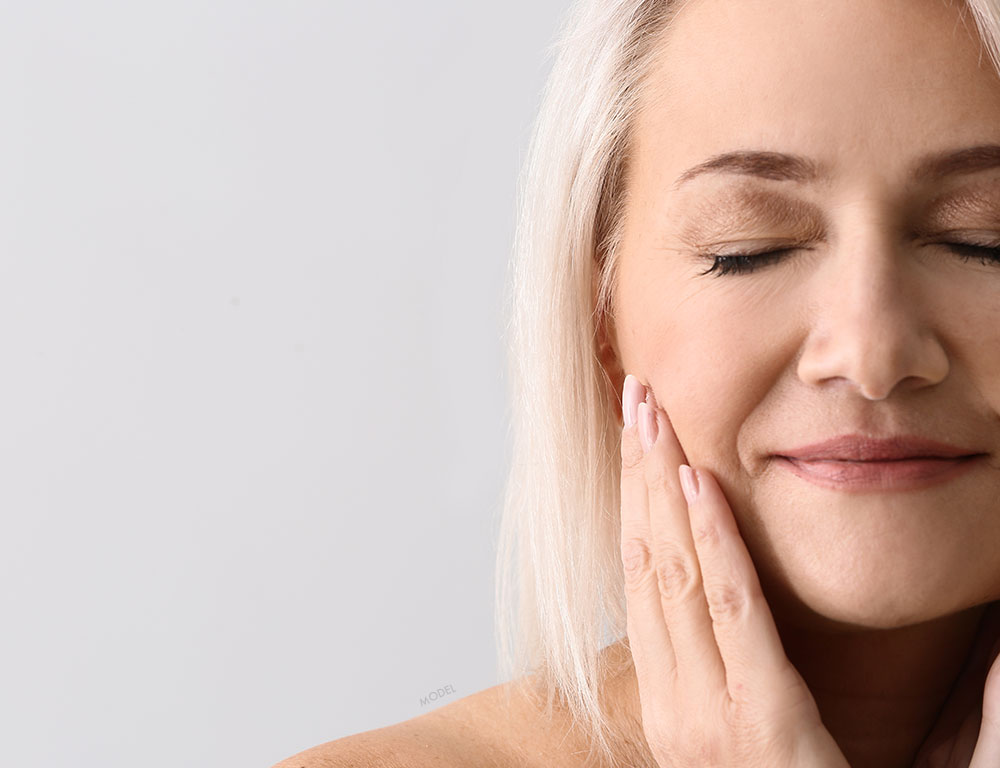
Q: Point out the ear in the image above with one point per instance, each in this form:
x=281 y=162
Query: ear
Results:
x=607 y=354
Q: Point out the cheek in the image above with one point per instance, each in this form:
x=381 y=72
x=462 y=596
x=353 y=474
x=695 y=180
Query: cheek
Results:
x=974 y=352
x=709 y=373
x=708 y=382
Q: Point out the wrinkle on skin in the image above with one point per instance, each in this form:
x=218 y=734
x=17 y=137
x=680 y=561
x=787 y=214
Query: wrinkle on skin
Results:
x=870 y=325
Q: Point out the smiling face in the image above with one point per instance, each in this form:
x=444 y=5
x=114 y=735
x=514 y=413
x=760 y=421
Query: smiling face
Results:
x=872 y=324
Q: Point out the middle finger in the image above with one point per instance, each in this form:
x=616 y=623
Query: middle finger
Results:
x=700 y=668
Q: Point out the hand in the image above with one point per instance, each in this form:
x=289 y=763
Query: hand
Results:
x=967 y=732
x=715 y=685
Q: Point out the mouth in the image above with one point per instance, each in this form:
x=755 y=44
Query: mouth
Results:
x=879 y=461
x=908 y=473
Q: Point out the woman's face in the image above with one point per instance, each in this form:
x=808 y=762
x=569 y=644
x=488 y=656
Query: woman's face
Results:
x=871 y=325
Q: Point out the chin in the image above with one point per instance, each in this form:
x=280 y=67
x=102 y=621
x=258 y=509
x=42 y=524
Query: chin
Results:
x=847 y=591
x=877 y=562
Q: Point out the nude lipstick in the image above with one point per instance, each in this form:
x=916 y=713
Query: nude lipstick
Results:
x=898 y=463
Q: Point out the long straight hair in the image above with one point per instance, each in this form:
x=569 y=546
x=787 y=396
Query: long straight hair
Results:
x=559 y=582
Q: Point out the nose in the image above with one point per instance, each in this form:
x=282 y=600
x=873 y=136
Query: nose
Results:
x=871 y=324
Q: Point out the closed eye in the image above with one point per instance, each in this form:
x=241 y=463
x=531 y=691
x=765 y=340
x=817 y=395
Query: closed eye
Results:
x=745 y=263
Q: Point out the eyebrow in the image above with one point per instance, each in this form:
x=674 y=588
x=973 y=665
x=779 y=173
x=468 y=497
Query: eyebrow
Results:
x=781 y=166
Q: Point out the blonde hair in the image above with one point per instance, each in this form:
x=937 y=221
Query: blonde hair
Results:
x=559 y=582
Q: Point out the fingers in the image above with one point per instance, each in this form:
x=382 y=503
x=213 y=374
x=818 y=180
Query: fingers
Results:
x=714 y=632
x=701 y=633
x=649 y=639
x=701 y=674
x=743 y=626
x=670 y=629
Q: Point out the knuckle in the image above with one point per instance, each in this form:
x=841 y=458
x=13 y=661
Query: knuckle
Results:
x=740 y=716
x=659 y=479
x=734 y=719
x=676 y=574
x=631 y=453
x=705 y=533
x=635 y=558
x=727 y=603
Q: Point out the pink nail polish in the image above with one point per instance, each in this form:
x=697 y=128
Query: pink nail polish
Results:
x=689 y=483
x=632 y=394
x=647 y=426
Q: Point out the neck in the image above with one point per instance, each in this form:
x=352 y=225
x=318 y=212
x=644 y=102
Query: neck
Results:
x=879 y=691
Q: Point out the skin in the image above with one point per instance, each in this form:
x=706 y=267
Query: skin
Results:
x=871 y=326
x=717 y=687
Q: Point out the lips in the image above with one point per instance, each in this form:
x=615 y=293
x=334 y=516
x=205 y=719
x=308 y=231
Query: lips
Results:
x=855 y=447
x=891 y=475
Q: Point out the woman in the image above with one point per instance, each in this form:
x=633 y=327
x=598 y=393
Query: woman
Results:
x=748 y=228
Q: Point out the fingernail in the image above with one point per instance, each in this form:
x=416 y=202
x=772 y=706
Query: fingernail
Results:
x=689 y=483
x=647 y=426
x=632 y=394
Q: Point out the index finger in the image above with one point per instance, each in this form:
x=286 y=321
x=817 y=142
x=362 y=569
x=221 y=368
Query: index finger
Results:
x=649 y=640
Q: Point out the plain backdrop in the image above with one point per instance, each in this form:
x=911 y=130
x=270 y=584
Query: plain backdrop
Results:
x=252 y=397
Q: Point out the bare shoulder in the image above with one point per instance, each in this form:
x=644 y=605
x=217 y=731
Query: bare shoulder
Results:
x=498 y=727
x=421 y=741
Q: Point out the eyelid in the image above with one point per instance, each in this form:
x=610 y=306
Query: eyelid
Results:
x=963 y=234
x=989 y=238
x=977 y=200
x=735 y=247
x=747 y=207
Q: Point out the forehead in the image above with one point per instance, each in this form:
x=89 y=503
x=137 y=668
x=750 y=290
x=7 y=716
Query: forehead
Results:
x=861 y=87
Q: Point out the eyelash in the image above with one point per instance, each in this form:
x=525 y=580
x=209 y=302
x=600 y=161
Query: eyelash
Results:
x=745 y=263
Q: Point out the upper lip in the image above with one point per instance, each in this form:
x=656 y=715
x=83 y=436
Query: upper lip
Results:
x=862 y=448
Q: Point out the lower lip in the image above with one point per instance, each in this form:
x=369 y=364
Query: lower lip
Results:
x=900 y=475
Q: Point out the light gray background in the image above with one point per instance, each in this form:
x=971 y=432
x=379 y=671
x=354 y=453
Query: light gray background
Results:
x=252 y=416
